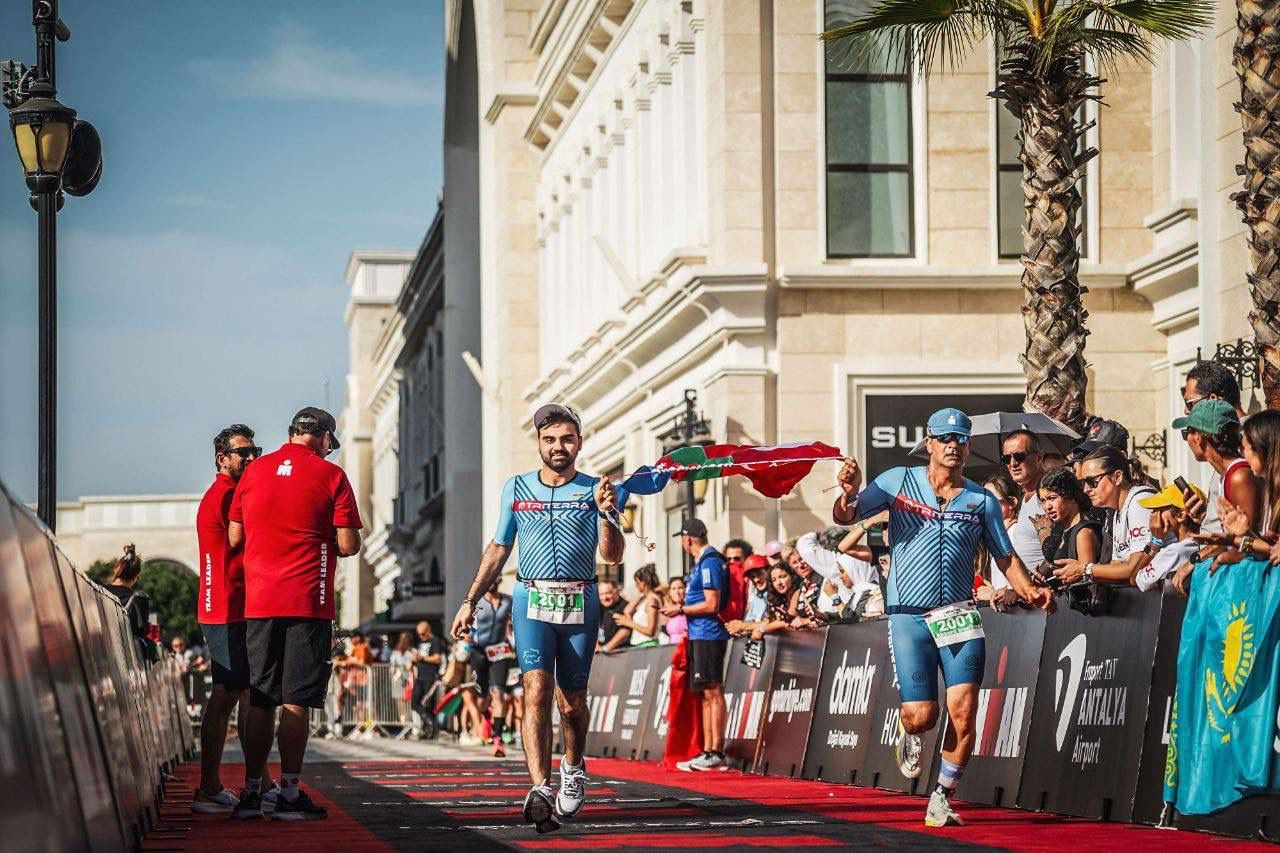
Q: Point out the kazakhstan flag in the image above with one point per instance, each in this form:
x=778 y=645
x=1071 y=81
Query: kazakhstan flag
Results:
x=1223 y=738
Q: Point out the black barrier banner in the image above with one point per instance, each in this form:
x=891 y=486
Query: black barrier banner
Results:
x=628 y=686
x=1090 y=709
x=1005 y=700
x=653 y=737
x=881 y=767
x=855 y=663
x=1164 y=677
x=745 y=689
x=790 y=702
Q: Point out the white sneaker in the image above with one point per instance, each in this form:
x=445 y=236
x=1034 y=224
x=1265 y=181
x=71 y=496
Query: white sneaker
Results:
x=270 y=798
x=908 y=751
x=467 y=739
x=708 y=761
x=939 y=812
x=223 y=802
x=539 y=809
x=572 y=793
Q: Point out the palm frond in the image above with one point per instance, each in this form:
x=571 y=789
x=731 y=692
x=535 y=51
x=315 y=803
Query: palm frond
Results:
x=1175 y=20
x=924 y=32
x=1119 y=29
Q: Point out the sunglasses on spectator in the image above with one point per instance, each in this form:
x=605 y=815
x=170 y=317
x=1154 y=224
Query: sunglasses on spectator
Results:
x=1191 y=402
x=246 y=452
x=1092 y=482
x=952 y=438
x=1018 y=456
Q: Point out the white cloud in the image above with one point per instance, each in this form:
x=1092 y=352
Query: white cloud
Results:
x=298 y=67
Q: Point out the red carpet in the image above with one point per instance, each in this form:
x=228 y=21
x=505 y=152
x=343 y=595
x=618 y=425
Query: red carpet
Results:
x=472 y=806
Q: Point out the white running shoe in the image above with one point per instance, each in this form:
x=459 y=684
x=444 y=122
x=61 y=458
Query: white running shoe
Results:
x=270 y=798
x=707 y=762
x=539 y=809
x=908 y=752
x=939 y=812
x=573 y=790
x=223 y=802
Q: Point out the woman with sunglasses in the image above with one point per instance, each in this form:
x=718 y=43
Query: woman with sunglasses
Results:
x=1110 y=480
x=1065 y=502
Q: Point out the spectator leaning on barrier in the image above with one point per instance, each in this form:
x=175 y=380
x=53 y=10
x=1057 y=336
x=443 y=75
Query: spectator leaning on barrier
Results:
x=1243 y=536
x=641 y=616
x=1212 y=432
x=612 y=605
x=810 y=586
x=735 y=553
x=1067 y=505
x=1022 y=457
x=844 y=565
x=757 y=576
x=706 y=591
x=1172 y=536
x=296 y=515
x=136 y=603
x=674 y=627
x=1108 y=478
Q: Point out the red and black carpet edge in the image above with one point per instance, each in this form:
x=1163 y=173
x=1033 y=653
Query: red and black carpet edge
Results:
x=474 y=805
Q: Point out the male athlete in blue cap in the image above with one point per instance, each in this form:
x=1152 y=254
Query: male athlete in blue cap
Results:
x=936 y=520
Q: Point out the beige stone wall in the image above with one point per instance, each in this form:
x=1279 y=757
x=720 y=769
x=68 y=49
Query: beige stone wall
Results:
x=960 y=167
x=1124 y=165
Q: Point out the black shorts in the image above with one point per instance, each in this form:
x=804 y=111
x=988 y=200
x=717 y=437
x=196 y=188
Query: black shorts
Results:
x=491 y=674
x=228 y=655
x=289 y=661
x=706 y=663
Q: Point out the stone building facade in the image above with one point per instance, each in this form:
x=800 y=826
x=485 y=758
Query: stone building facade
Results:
x=686 y=194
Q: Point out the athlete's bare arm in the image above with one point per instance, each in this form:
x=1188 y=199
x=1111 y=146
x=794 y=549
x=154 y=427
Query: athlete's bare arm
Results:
x=1020 y=579
x=491 y=563
x=611 y=543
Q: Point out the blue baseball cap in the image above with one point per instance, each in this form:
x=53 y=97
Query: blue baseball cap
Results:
x=947 y=421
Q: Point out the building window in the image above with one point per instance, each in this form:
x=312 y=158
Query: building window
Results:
x=1010 y=205
x=868 y=136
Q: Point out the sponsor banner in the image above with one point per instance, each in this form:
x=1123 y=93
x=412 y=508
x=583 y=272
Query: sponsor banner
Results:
x=745 y=690
x=1090 y=709
x=620 y=695
x=653 y=734
x=1005 y=700
x=880 y=770
x=855 y=663
x=1164 y=677
x=789 y=706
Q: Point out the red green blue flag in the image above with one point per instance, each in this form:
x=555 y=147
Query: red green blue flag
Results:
x=773 y=471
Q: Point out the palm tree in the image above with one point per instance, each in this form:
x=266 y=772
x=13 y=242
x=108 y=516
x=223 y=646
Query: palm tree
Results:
x=1256 y=61
x=1044 y=80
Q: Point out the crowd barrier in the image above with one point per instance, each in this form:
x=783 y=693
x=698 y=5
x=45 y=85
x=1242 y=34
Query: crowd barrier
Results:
x=87 y=728
x=366 y=701
x=1073 y=712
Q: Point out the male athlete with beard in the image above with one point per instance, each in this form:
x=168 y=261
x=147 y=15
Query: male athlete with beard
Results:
x=562 y=518
x=936 y=520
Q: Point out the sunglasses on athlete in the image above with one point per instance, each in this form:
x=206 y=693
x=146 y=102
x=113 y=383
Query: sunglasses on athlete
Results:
x=951 y=438
x=245 y=452
x=1018 y=456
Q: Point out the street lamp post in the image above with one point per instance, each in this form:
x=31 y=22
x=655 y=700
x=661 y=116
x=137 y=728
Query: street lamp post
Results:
x=58 y=154
x=689 y=429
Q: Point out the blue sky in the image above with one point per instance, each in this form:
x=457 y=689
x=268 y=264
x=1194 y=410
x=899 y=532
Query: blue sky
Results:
x=202 y=282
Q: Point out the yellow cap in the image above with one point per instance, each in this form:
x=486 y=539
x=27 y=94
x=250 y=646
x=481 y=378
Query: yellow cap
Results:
x=1169 y=496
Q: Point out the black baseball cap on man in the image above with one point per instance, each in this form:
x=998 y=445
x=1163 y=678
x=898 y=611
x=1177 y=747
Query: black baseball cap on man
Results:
x=314 y=421
x=692 y=527
x=1102 y=433
x=555 y=412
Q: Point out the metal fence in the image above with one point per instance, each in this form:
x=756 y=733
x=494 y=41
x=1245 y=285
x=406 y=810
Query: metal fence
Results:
x=370 y=701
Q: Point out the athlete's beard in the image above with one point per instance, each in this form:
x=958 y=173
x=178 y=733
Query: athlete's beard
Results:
x=559 y=461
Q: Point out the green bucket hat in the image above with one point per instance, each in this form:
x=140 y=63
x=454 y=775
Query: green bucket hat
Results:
x=1210 y=417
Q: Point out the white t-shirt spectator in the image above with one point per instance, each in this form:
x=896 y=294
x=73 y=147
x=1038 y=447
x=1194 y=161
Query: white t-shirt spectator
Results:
x=1167 y=560
x=828 y=563
x=1132 y=530
x=1026 y=542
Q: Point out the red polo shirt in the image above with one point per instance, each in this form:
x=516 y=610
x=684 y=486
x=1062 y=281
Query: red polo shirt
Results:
x=221 y=567
x=291 y=503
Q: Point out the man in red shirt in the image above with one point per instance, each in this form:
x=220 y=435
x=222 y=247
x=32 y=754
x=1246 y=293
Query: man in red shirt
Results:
x=296 y=515
x=220 y=612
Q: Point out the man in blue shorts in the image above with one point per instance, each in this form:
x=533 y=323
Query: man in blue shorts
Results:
x=937 y=518
x=562 y=519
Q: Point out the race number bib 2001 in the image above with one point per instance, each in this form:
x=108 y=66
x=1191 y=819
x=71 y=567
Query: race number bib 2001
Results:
x=954 y=623
x=560 y=602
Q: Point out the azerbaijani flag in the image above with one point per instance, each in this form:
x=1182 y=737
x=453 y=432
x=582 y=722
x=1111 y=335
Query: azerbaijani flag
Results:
x=773 y=471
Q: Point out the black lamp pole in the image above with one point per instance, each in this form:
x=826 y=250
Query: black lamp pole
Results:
x=58 y=154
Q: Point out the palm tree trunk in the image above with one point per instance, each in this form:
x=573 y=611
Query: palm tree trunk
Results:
x=1257 y=60
x=1047 y=104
